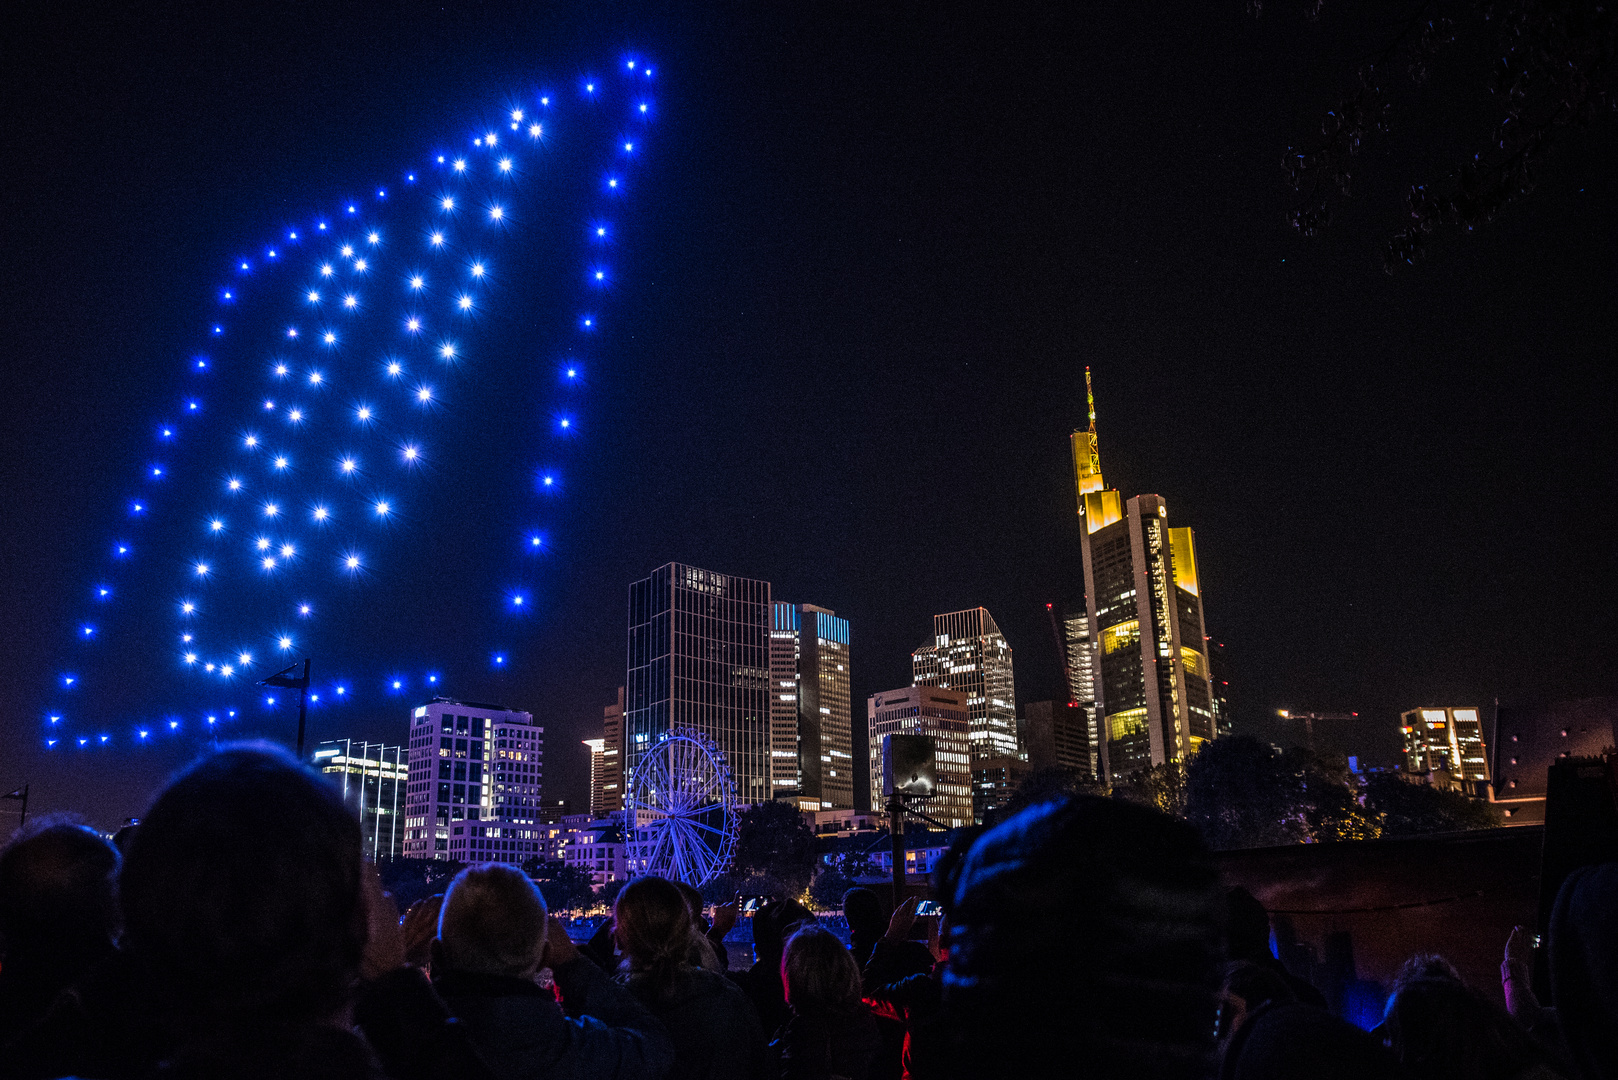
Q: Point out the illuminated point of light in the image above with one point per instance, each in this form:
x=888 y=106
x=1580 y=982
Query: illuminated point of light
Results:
x=295 y=415
x=590 y=88
x=432 y=678
x=314 y=697
x=534 y=540
x=382 y=509
x=212 y=719
x=303 y=609
x=351 y=210
x=287 y=551
x=330 y=338
x=292 y=236
x=201 y=364
x=190 y=657
x=411 y=178
x=413 y=325
x=359 y=264
x=465 y=303
x=548 y=481
x=139 y=508
x=517 y=600
x=244 y=266
x=441 y=159
x=269 y=562
x=68 y=680
x=396 y=684
x=424 y=394
x=202 y=569
x=612 y=183
x=269 y=404
x=572 y=373
x=447 y=352
x=601 y=232
x=348 y=251
x=416 y=282
x=448 y=203
x=104 y=738
x=477 y=269
x=157 y=472
x=270 y=509
x=342 y=690
x=193 y=405
x=489 y=139
x=629 y=146
x=280 y=369
x=314 y=297
x=565 y=423
x=351 y=301
x=245 y=658
x=499 y=659
x=286 y=643
x=394 y=368
x=326 y=270
x=643 y=108
x=410 y=453
x=54 y=719
x=227 y=296
x=216 y=524
x=516 y=114
x=322 y=226
x=437 y=239
x=352 y=562
x=363 y=413
x=234 y=485
x=315 y=377
x=632 y=65
x=188 y=607
x=263 y=543
x=497 y=213
x=600 y=275
x=375 y=238
x=533 y=131
x=544 y=101
x=143 y=734
x=219 y=329
x=589 y=322
x=123 y=551
x=227 y=670
x=186 y=638
x=460 y=164
x=280 y=463
x=272 y=254
x=505 y=164
x=349 y=465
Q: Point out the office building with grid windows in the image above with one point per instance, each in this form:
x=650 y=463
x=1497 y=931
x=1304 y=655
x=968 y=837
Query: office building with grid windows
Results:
x=1144 y=603
x=969 y=653
x=699 y=658
x=811 y=723
x=372 y=778
x=947 y=717
x=1445 y=747
x=475 y=773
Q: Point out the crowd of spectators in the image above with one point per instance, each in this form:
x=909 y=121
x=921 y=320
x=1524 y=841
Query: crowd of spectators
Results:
x=238 y=932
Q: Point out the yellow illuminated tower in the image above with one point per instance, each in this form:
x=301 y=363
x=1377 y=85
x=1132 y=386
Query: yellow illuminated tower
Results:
x=1149 y=649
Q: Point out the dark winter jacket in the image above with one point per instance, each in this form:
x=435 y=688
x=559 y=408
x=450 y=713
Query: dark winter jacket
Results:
x=520 y=1031
x=827 y=1045
x=714 y=1028
x=913 y=1003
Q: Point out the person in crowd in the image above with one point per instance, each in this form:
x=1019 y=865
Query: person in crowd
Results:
x=831 y=1032
x=706 y=952
x=420 y=928
x=1247 y=939
x=1441 y=1029
x=1289 y=1040
x=1249 y=987
x=903 y=1000
x=59 y=919
x=883 y=958
x=1583 y=944
x=253 y=922
x=1085 y=929
x=716 y=1033
x=772 y=925
x=866 y=923
x=494 y=937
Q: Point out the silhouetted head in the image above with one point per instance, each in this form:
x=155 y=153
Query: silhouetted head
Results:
x=58 y=900
x=1441 y=1030
x=866 y=917
x=242 y=894
x=1247 y=928
x=1584 y=975
x=493 y=922
x=1085 y=930
x=694 y=902
x=652 y=922
x=773 y=922
x=818 y=972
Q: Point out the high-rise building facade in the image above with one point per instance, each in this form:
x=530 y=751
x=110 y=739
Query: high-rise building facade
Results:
x=969 y=653
x=944 y=714
x=475 y=776
x=597 y=748
x=810 y=710
x=1144 y=602
x=372 y=778
x=1448 y=741
x=699 y=658
x=1079 y=665
x=610 y=794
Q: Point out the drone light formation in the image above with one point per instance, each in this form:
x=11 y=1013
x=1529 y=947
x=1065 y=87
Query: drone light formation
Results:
x=334 y=533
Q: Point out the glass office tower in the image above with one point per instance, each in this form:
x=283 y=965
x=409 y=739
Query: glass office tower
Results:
x=969 y=653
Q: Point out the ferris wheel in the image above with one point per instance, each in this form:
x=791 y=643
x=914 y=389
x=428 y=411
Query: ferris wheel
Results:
x=680 y=810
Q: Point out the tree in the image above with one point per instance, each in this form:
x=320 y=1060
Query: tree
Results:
x=1048 y=785
x=1240 y=793
x=1541 y=68
x=563 y=886
x=773 y=842
x=1411 y=809
x=829 y=886
x=410 y=880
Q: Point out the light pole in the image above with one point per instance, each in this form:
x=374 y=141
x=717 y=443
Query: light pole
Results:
x=285 y=679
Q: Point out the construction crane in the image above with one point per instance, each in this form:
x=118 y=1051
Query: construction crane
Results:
x=1309 y=719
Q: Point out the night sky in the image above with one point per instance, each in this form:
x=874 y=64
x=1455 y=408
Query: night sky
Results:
x=865 y=261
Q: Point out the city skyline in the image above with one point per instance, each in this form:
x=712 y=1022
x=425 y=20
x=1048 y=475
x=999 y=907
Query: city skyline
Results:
x=854 y=312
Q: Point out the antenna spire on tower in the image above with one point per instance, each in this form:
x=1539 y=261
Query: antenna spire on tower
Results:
x=1090 y=399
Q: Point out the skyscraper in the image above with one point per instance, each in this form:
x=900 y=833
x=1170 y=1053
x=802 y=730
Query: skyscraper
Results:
x=699 y=658
x=475 y=774
x=809 y=703
x=1449 y=742
x=372 y=778
x=1080 y=668
x=970 y=654
x=946 y=716
x=1144 y=603
x=597 y=748
x=611 y=794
